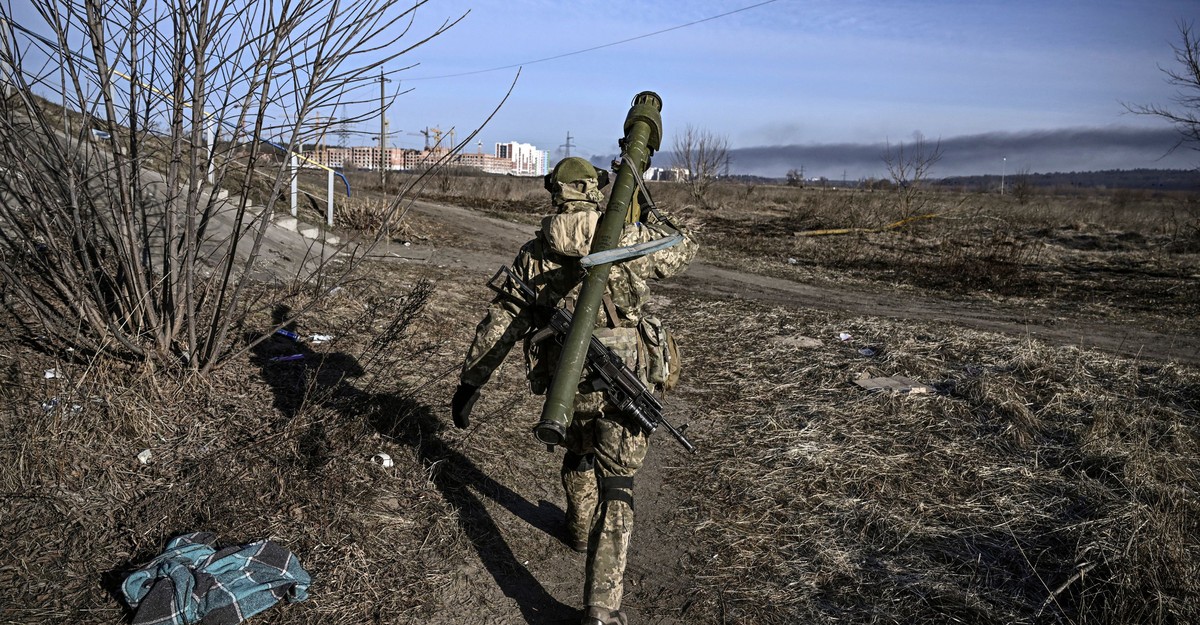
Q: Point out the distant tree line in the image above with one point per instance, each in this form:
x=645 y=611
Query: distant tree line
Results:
x=1159 y=179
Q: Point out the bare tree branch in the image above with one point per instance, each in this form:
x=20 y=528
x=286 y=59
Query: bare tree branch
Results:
x=121 y=245
x=704 y=156
x=909 y=166
x=1185 y=118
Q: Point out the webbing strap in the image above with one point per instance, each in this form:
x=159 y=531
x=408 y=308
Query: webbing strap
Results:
x=611 y=310
x=617 y=488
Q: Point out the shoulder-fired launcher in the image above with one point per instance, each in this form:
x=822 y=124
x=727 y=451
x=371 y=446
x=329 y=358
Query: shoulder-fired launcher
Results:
x=643 y=135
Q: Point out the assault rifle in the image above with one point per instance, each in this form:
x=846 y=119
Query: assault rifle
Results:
x=621 y=386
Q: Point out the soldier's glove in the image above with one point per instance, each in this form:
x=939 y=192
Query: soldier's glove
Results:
x=464 y=400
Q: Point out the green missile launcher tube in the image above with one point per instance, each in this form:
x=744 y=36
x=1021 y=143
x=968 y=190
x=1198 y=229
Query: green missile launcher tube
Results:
x=643 y=135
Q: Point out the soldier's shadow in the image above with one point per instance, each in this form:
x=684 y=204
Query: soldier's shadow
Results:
x=296 y=374
x=458 y=479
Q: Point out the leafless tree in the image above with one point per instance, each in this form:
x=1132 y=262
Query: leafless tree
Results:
x=1186 y=117
x=1022 y=186
x=705 y=157
x=123 y=245
x=908 y=166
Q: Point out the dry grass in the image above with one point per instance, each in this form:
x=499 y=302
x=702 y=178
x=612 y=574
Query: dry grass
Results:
x=1038 y=485
x=263 y=449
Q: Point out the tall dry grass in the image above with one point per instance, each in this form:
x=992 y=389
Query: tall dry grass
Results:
x=1038 y=484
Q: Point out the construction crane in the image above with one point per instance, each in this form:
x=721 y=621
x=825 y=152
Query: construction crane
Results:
x=436 y=134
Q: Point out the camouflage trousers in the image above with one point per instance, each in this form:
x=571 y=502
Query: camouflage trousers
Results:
x=600 y=496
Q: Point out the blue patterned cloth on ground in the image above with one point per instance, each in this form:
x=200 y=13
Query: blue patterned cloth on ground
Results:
x=192 y=582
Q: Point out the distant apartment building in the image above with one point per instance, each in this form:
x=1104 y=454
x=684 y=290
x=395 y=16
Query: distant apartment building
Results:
x=527 y=160
x=518 y=159
x=677 y=174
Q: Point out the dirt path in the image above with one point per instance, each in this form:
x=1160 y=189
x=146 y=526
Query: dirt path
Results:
x=499 y=240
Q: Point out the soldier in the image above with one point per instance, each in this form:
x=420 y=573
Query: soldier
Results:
x=604 y=448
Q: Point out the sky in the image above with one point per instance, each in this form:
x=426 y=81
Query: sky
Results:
x=821 y=85
x=818 y=84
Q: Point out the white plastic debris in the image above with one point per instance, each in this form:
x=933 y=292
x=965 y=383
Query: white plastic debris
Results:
x=317 y=339
x=895 y=384
x=52 y=373
x=844 y=336
x=145 y=456
x=793 y=261
x=383 y=460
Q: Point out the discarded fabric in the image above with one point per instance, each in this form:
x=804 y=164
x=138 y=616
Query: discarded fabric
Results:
x=192 y=581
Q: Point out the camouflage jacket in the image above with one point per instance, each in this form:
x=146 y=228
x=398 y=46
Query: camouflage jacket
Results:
x=550 y=264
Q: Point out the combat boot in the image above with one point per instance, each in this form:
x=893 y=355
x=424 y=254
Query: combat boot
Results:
x=603 y=616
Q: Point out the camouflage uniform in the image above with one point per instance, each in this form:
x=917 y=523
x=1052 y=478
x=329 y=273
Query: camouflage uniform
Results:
x=604 y=448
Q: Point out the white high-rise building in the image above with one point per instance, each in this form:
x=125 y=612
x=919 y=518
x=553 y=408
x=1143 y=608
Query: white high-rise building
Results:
x=527 y=160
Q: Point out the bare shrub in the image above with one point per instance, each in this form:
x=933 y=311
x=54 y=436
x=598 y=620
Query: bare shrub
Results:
x=909 y=168
x=1022 y=186
x=705 y=156
x=123 y=246
x=365 y=214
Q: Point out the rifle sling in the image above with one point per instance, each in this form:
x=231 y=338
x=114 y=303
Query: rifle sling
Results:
x=610 y=309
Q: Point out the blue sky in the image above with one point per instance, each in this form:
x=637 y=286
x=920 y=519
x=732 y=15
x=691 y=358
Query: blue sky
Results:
x=821 y=84
x=806 y=73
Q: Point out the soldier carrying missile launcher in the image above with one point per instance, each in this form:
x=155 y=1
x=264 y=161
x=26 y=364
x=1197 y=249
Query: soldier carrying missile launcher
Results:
x=595 y=265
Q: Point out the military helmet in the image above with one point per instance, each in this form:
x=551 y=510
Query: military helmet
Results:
x=574 y=169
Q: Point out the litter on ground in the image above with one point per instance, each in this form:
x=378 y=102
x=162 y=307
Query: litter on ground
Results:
x=895 y=384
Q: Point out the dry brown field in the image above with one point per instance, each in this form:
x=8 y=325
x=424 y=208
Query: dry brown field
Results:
x=1048 y=476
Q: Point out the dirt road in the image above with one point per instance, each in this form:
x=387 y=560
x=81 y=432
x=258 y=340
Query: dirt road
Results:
x=498 y=241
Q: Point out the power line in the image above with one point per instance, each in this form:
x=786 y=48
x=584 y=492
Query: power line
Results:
x=599 y=47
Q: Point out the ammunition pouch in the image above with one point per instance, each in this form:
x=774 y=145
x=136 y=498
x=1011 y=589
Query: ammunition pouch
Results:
x=662 y=353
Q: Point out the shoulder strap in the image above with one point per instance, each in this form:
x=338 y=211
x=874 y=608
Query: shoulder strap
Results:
x=610 y=310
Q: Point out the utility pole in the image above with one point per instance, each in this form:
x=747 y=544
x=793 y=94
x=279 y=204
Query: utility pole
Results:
x=383 y=128
x=568 y=145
